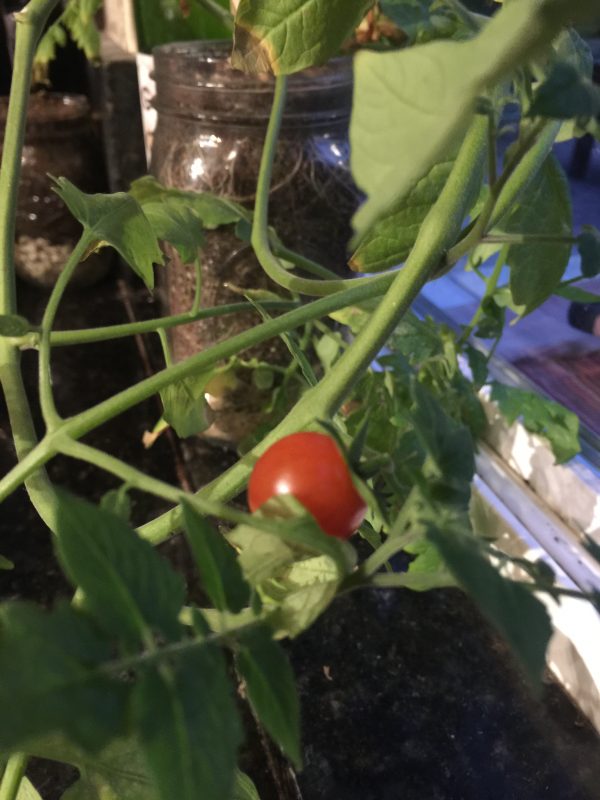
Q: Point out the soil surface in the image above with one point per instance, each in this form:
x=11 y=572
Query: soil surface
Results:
x=403 y=695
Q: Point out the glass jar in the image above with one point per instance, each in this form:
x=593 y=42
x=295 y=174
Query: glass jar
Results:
x=59 y=141
x=209 y=137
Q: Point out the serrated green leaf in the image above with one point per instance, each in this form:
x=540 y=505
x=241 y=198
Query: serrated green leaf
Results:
x=588 y=244
x=448 y=443
x=79 y=17
x=48 y=682
x=512 y=609
x=118 y=772
x=296 y=527
x=416 y=339
x=212 y=210
x=423 y=20
x=127 y=586
x=271 y=689
x=262 y=555
x=390 y=240
x=117 y=220
x=565 y=94
x=545 y=207
x=188 y=726
x=184 y=404
x=219 y=568
x=299 y=609
x=542 y=416
x=174 y=222
x=14 y=325
x=284 y=36
x=53 y=38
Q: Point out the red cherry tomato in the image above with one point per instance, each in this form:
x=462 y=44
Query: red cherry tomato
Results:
x=310 y=467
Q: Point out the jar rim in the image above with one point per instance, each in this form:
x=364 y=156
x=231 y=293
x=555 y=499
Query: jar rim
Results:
x=50 y=108
x=212 y=69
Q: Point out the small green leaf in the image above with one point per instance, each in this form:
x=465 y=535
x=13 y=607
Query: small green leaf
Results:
x=545 y=207
x=262 y=555
x=6 y=563
x=492 y=321
x=588 y=244
x=542 y=416
x=48 y=680
x=284 y=36
x=128 y=587
x=117 y=220
x=244 y=788
x=300 y=530
x=448 y=443
x=184 y=404
x=14 y=325
x=300 y=608
x=217 y=563
x=271 y=689
x=117 y=502
x=390 y=240
x=188 y=726
x=517 y=614
x=213 y=211
x=174 y=222
x=118 y=772
x=566 y=94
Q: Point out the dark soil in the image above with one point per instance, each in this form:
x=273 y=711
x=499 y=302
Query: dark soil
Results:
x=403 y=695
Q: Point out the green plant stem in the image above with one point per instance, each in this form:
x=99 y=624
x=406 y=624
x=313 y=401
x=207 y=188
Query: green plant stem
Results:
x=110 y=332
x=49 y=412
x=260 y=230
x=13 y=775
x=302 y=262
x=198 y=288
x=164 y=343
x=218 y=11
x=437 y=231
x=492 y=151
x=30 y=24
x=522 y=167
x=79 y=425
x=491 y=286
x=528 y=238
x=133 y=477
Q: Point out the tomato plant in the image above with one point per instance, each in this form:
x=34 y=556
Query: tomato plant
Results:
x=142 y=666
x=310 y=467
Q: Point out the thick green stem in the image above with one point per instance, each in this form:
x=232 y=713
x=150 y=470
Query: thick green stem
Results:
x=13 y=774
x=518 y=173
x=30 y=24
x=260 y=223
x=51 y=417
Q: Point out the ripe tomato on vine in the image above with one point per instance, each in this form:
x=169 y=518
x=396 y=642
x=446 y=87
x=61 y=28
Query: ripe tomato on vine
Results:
x=310 y=467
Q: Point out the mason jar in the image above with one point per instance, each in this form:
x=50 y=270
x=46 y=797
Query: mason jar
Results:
x=59 y=141
x=211 y=126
